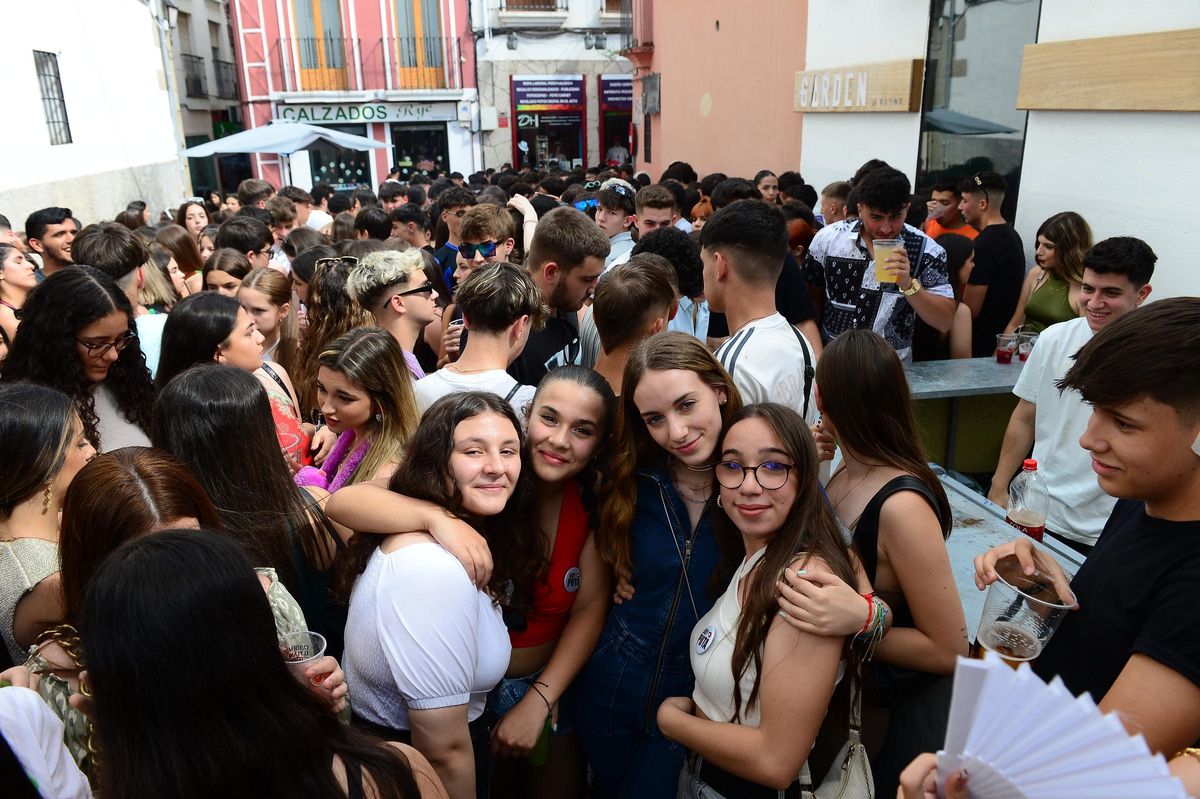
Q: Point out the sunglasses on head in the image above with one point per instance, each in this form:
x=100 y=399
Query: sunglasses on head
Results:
x=621 y=190
x=585 y=205
x=591 y=185
x=485 y=248
x=349 y=260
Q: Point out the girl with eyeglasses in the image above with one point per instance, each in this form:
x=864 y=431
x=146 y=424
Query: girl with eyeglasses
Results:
x=889 y=501
x=656 y=534
x=762 y=686
x=77 y=335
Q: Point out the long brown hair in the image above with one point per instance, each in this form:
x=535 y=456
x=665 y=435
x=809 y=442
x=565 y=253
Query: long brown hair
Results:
x=119 y=496
x=331 y=312
x=183 y=246
x=1071 y=236
x=518 y=547
x=277 y=287
x=371 y=358
x=809 y=530
x=632 y=446
x=866 y=398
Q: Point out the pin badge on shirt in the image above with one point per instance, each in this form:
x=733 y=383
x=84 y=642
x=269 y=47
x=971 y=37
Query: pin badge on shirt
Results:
x=572 y=579
x=706 y=638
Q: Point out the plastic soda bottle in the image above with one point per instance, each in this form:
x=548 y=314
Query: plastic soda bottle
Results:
x=1028 y=501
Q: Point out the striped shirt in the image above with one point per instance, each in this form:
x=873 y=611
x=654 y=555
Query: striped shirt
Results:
x=770 y=361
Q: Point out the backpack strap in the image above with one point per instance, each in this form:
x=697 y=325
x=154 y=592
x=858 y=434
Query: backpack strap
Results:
x=512 y=392
x=809 y=371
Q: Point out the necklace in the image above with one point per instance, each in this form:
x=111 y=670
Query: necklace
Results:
x=680 y=489
x=850 y=490
x=456 y=368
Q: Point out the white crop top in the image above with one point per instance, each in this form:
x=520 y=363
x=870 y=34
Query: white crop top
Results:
x=713 y=641
x=420 y=635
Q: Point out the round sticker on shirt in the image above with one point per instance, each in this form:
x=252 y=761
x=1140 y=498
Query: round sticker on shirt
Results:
x=706 y=638
x=572 y=579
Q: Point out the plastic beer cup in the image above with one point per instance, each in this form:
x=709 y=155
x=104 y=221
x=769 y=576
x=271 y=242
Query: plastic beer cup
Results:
x=1020 y=614
x=884 y=248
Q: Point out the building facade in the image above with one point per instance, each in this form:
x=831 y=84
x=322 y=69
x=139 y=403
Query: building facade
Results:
x=1090 y=106
x=552 y=84
x=89 y=116
x=400 y=72
x=206 y=85
x=713 y=83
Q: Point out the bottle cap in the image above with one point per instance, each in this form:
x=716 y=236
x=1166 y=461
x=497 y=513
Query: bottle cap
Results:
x=1030 y=464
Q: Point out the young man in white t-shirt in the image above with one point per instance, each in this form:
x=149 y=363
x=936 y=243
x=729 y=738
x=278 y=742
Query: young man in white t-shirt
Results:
x=1116 y=279
x=743 y=248
x=500 y=306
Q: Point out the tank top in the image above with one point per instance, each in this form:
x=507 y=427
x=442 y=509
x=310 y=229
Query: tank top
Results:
x=554 y=596
x=292 y=439
x=713 y=640
x=1049 y=304
x=24 y=562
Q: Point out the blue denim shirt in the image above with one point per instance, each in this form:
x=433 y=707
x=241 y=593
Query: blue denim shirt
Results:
x=667 y=602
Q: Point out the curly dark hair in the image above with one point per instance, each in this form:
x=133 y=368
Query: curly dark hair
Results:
x=518 y=547
x=44 y=350
x=683 y=253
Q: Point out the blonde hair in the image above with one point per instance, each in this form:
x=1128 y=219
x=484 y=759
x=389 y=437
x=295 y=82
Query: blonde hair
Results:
x=157 y=288
x=370 y=357
x=278 y=290
x=379 y=271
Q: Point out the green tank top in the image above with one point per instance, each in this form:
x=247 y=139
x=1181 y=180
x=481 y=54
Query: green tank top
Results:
x=1049 y=304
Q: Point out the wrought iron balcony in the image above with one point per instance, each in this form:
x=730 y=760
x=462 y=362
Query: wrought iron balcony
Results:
x=226 y=72
x=394 y=63
x=195 y=82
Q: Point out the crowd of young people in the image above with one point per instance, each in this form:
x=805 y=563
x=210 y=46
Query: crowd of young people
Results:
x=545 y=460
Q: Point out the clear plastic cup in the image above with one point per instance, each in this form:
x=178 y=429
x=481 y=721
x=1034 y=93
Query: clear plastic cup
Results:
x=1006 y=347
x=301 y=651
x=1020 y=614
x=1025 y=342
x=884 y=248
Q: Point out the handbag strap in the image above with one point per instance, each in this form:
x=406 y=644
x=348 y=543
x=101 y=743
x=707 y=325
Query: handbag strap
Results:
x=855 y=734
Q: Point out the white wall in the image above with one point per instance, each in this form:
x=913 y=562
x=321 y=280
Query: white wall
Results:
x=1127 y=173
x=123 y=143
x=844 y=32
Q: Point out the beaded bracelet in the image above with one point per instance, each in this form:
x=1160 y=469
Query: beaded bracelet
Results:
x=870 y=612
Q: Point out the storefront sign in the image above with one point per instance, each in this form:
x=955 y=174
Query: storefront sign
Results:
x=890 y=86
x=616 y=92
x=338 y=113
x=547 y=92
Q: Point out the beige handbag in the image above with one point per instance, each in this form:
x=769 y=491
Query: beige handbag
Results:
x=850 y=775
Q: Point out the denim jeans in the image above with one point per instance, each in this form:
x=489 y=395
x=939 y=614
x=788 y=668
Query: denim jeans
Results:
x=511 y=690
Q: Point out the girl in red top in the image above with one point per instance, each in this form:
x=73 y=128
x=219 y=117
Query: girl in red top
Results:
x=567 y=425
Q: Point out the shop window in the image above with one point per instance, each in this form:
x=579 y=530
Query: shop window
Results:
x=344 y=170
x=322 y=47
x=421 y=147
x=969 y=119
x=53 y=103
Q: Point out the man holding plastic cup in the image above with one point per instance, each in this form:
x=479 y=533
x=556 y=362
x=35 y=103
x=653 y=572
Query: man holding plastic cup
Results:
x=857 y=285
x=1132 y=642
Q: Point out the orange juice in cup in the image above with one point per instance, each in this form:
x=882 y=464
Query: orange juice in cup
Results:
x=884 y=248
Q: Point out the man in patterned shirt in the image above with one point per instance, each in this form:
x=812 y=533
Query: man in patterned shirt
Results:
x=840 y=269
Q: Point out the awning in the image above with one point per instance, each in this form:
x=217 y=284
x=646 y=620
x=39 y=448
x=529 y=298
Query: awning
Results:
x=283 y=138
x=947 y=121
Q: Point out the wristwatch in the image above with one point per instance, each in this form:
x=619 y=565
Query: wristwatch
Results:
x=913 y=288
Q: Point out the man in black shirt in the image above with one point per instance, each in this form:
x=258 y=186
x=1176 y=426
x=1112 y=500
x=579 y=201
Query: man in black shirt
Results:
x=565 y=259
x=994 y=287
x=1132 y=642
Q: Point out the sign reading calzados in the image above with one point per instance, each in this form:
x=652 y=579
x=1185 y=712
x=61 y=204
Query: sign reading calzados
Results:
x=369 y=112
x=890 y=86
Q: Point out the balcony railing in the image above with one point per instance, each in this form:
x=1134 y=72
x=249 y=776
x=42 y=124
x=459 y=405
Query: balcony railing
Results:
x=533 y=5
x=335 y=64
x=195 y=83
x=226 y=71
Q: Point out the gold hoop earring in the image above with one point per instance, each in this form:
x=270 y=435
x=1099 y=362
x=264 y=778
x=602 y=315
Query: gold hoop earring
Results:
x=49 y=495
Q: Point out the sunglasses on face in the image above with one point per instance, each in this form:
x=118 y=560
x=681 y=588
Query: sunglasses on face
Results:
x=585 y=205
x=100 y=350
x=424 y=288
x=486 y=249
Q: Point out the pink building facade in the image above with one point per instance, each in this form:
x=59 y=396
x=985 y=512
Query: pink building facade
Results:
x=714 y=83
x=401 y=72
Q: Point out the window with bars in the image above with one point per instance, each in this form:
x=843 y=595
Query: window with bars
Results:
x=53 y=103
